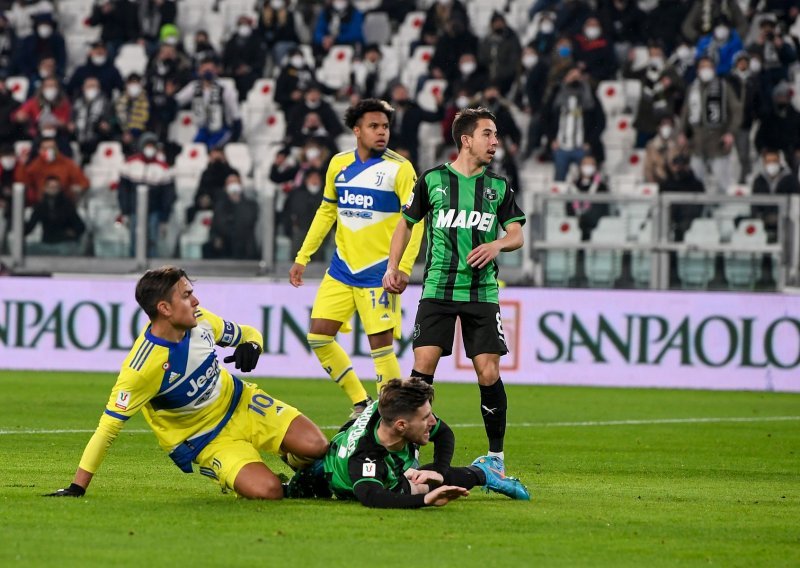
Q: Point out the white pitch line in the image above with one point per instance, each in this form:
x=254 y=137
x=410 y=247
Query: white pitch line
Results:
x=585 y=424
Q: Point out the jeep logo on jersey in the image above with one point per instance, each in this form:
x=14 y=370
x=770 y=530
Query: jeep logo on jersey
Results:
x=449 y=219
x=364 y=201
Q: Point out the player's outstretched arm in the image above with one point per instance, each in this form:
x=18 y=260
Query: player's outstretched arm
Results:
x=441 y=496
x=395 y=280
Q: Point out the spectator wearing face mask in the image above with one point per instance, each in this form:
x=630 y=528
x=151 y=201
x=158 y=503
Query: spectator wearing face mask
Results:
x=145 y=168
x=92 y=118
x=132 y=112
x=168 y=71
x=49 y=162
x=660 y=150
x=45 y=70
x=499 y=53
x=721 y=46
x=244 y=56
x=662 y=89
x=45 y=41
x=153 y=15
x=530 y=95
x=773 y=52
x=97 y=65
x=681 y=179
x=62 y=227
x=780 y=126
x=595 y=51
x=773 y=179
x=312 y=130
x=211 y=186
x=10 y=130
x=338 y=23
x=571 y=15
x=12 y=171
x=746 y=86
x=47 y=113
x=507 y=128
x=683 y=62
x=575 y=121
x=215 y=106
x=705 y=14
x=119 y=23
x=662 y=19
x=623 y=23
x=408 y=116
x=233 y=228
x=312 y=102
x=588 y=180
x=504 y=163
x=711 y=115
x=544 y=39
x=562 y=59
x=366 y=74
x=203 y=48
x=469 y=76
x=300 y=207
x=295 y=78
x=441 y=12
x=276 y=27
x=456 y=40
x=8 y=45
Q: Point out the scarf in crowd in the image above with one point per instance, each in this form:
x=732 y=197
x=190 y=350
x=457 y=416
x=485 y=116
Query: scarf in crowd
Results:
x=209 y=114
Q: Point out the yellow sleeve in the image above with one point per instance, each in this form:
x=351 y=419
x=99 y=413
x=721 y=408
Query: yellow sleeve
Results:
x=324 y=218
x=229 y=333
x=101 y=440
x=404 y=185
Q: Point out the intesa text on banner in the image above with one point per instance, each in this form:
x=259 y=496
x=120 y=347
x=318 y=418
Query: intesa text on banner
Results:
x=570 y=337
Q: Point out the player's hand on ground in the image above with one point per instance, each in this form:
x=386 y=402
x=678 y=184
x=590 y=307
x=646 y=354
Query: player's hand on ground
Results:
x=74 y=490
x=426 y=476
x=395 y=281
x=296 y=274
x=482 y=255
x=245 y=357
x=443 y=495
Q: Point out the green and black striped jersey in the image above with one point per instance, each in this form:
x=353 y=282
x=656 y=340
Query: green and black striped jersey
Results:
x=461 y=213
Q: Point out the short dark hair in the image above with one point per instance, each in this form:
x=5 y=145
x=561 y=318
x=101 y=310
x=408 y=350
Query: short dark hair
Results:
x=467 y=120
x=155 y=286
x=362 y=107
x=403 y=397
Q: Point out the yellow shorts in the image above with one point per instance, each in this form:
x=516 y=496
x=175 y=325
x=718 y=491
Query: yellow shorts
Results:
x=259 y=422
x=378 y=309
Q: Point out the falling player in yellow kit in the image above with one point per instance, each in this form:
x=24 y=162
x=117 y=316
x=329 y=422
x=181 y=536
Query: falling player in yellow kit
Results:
x=199 y=412
x=364 y=191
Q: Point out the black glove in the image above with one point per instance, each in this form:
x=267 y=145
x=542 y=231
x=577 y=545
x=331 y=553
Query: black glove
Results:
x=245 y=356
x=74 y=490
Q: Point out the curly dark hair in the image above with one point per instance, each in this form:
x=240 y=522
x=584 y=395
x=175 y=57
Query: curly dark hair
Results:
x=362 y=107
x=402 y=397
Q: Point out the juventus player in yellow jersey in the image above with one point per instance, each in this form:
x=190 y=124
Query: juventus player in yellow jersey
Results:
x=364 y=191
x=199 y=412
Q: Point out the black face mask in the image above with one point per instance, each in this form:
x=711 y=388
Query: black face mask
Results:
x=492 y=100
x=574 y=84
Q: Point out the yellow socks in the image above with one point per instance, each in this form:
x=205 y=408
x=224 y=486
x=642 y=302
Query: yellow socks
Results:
x=338 y=365
x=386 y=365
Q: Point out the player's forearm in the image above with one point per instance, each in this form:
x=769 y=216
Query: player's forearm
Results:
x=95 y=451
x=376 y=496
x=252 y=335
x=400 y=240
x=319 y=229
x=513 y=239
x=412 y=248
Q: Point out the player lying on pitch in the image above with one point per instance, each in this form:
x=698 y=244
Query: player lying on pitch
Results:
x=199 y=412
x=373 y=458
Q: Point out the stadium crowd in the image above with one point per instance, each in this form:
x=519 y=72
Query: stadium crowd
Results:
x=206 y=102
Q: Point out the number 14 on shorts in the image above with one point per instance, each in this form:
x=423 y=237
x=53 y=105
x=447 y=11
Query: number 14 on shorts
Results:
x=383 y=299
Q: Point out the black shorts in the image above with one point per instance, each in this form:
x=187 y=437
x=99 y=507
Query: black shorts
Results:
x=481 y=326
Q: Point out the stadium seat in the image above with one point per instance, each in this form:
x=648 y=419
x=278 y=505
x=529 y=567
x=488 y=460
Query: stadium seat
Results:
x=377 y=28
x=183 y=129
x=193 y=158
x=696 y=267
x=560 y=266
x=612 y=97
x=132 y=58
x=264 y=129
x=555 y=209
x=632 y=92
x=635 y=212
x=743 y=269
x=416 y=67
x=18 y=87
x=426 y=98
x=108 y=155
x=620 y=132
x=411 y=27
x=604 y=267
x=336 y=66
x=238 y=156
x=732 y=210
x=196 y=235
x=641 y=260
x=22 y=148
x=262 y=95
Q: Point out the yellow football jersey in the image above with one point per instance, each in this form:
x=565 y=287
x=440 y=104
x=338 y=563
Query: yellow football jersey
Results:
x=181 y=388
x=364 y=198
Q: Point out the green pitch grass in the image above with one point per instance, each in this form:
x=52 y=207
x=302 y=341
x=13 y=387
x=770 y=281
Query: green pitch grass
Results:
x=618 y=477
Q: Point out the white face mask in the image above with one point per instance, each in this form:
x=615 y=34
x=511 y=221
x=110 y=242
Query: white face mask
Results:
x=149 y=152
x=49 y=155
x=234 y=189
x=755 y=65
x=99 y=59
x=244 y=30
x=546 y=27
x=462 y=101
x=772 y=169
x=684 y=53
x=468 y=67
x=8 y=162
x=313 y=153
x=313 y=189
x=592 y=32
x=657 y=62
x=50 y=93
x=44 y=31
x=171 y=40
x=721 y=33
x=588 y=170
x=44 y=72
x=705 y=74
x=665 y=131
x=49 y=133
x=134 y=90
x=91 y=94
x=297 y=61
x=530 y=61
x=278 y=4
x=339 y=5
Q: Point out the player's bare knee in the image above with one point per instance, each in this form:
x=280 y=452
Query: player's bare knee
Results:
x=267 y=488
x=488 y=375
